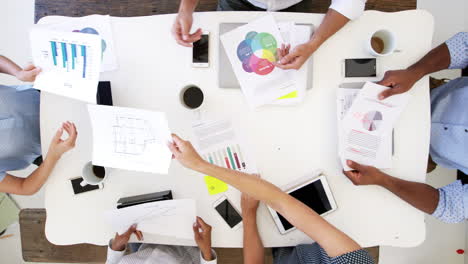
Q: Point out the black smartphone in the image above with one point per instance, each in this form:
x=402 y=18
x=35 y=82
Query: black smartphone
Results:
x=361 y=67
x=228 y=212
x=104 y=93
x=77 y=188
x=200 y=56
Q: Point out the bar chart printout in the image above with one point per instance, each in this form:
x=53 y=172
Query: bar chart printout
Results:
x=219 y=144
x=70 y=63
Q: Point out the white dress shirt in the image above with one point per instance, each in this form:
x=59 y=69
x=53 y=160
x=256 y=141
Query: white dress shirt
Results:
x=153 y=253
x=351 y=9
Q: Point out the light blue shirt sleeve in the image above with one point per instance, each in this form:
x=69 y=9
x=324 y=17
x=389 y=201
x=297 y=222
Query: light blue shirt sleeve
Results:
x=458 y=48
x=452 y=207
x=2 y=175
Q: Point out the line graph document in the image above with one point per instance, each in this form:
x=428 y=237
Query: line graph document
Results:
x=367 y=125
x=70 y=62
x=131 y=139
x=172 y=218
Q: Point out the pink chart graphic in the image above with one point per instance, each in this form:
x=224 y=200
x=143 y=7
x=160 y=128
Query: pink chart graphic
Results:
x=372 y=120
x=257 y=52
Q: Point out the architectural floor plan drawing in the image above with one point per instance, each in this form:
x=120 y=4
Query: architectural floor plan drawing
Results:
x=130 y=139
x=132 y=135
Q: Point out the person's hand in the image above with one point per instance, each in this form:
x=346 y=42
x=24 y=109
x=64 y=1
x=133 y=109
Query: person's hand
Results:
x=28 y=73
x=249 y=206
x=58 y=146
x=181 y=29
x=184 y=152
x=202 y=233
x=294 y=59
x=364 y=175
x=119 y=242
x=399 y=81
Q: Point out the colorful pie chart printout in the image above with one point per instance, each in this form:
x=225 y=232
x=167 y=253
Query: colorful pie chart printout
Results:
x=252 y=52
x=257 y=52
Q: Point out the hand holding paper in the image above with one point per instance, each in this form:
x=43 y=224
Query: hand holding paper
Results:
x=366 y=126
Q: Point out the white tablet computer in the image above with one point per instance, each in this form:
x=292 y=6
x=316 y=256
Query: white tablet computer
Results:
x=314 y=193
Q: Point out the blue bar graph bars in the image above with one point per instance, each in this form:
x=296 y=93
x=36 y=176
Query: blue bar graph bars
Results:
x=64 y=54
x=53 y=46
x=73 y=49
x=83 y=53
x=71 y=57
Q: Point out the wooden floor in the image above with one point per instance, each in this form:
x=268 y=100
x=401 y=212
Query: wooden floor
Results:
x=126 y=8
x=36 y=247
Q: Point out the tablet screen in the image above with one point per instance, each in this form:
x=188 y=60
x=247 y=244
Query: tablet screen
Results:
x=313 y=195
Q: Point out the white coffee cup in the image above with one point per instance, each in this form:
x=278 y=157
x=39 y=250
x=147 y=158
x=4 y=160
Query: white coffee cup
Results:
x=89 y=177
x=388 y=39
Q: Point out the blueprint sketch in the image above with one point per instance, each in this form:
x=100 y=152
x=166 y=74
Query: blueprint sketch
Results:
x=131 y=139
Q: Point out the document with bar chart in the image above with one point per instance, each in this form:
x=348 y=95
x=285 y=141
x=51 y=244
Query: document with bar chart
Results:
x=219 y=143
x=70 y=63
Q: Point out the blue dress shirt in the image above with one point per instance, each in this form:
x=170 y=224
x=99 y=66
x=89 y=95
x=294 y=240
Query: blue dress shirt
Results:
x=20 y=141
x=449 y=132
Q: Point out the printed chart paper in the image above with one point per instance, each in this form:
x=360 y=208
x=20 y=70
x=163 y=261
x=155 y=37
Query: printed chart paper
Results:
x=172 y=218
x=219 y=143
x=252 y=50
x=70 y=63
x=345 y=98
x=367 y=124
x=295 y=35
x=96 y=25
x=130 y=139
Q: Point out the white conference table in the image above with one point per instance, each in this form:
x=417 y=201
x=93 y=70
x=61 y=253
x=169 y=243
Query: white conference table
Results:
x=287 y=142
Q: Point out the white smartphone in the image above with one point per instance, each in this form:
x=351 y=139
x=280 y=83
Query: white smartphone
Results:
x=200 y=51
x=314 y=193
x=228 y=212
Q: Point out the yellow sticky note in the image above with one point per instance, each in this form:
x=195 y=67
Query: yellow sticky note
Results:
x=214 y=185
x=289 y=95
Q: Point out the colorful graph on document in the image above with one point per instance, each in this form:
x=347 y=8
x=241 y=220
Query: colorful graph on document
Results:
x=90 y=30
x=230 y=157
x=71 y=57
x=257 y=52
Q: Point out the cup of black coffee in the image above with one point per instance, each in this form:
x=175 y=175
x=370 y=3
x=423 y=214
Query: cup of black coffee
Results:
x=93 y=174
x=191 y=97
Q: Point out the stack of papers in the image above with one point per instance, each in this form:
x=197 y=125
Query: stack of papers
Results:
x=171 y=218
x=365 y=125
x=252 y=50
x=70 y=62
x=130 y=139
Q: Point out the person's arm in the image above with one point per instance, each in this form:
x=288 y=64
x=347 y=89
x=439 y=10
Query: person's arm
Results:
x=28 y=74
x=118 y=245
x=183 y=24
x=34 y=182
x=332 y=22
x=420 y=195
x=332 y=240
x=202 y=234
x=253 y=250
x=451 y=54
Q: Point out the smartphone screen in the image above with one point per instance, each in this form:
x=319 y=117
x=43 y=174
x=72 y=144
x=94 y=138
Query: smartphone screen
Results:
x=313 y=195
x=200 y=50
x=360 y=68
x=228 y=213
x=77 y=188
